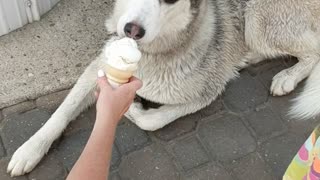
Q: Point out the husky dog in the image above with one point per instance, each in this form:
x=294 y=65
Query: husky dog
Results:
x=191 y=49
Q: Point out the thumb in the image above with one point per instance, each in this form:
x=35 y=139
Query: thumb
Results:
x=134 y=84
x=103 y=81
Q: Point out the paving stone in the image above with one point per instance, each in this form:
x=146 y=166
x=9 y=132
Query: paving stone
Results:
x=267 y=71
x=244 y=94
x=226 y=138
x=71 y=147
x=3 y=171
x=215 y=107
x=52 y=101
x=85 y=121
x=2 y=150
x=116 y=157
x=19 y=128
x=279 y=152
x=1 y=116
x=251 y=167
x=124 y=120
x=151 y=162
x=209 y=172
x=19 y=108
x=281 y=105
x=114 y=176
x=255 y=69
x=50 y=168
x=179 y=127
x=189 y=153
x=303 y=128
x=265 y=123
x=130 y=138
x=271 y=67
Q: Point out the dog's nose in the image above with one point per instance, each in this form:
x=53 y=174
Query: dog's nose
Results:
x=134 y=31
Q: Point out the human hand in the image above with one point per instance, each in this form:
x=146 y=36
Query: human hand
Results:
x=113 y=103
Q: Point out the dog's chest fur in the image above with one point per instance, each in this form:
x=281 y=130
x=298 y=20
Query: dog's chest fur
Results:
x=200 y=71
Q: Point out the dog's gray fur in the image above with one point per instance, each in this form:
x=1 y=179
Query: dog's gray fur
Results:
x=190 y=52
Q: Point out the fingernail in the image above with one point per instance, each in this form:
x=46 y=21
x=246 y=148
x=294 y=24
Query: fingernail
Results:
x=101 y=73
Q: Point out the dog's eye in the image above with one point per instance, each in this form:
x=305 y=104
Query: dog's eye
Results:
x=170 y=1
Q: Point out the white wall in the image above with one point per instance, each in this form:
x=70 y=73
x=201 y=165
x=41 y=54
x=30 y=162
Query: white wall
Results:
x=16 y=13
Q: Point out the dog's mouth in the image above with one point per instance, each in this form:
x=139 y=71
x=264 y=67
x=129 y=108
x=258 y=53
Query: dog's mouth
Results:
x=119 y=36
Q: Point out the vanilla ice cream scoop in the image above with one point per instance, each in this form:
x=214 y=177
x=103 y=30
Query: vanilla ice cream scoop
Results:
x=123 y=54
x=121 y=58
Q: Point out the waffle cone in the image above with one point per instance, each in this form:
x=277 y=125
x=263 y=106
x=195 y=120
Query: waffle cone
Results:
x=118 y=76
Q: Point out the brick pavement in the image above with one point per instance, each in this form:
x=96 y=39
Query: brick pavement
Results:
x=243 y=135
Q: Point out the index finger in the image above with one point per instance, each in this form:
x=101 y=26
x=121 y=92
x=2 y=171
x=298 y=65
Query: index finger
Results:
x=102 y=81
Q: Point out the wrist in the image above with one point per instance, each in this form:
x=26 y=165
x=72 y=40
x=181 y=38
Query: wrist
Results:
x=105 y=117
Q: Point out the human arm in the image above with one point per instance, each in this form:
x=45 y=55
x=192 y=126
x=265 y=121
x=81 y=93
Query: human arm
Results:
x=94 y=161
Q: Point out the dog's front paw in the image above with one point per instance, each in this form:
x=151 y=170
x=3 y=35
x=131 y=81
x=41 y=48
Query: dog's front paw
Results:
x=134 y=111
x=26 y=158
x=283 y=83
x=149 y=123
x=148 y=120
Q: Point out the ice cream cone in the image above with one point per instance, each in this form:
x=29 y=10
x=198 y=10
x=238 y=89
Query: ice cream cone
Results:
x=118 y=76
x=121 y=59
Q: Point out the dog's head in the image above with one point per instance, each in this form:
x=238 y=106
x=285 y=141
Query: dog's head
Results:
x=149 y=20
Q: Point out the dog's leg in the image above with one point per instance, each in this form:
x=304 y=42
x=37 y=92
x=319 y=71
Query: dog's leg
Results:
x=252 y=58
x=285 y=81
x=280 y=34
x=154 y=119
x=80 y=97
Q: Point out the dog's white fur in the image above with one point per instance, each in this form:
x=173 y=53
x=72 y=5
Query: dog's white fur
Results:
x=307 y=105
x=159 y=20
x=299 y=36
x=190 y=51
